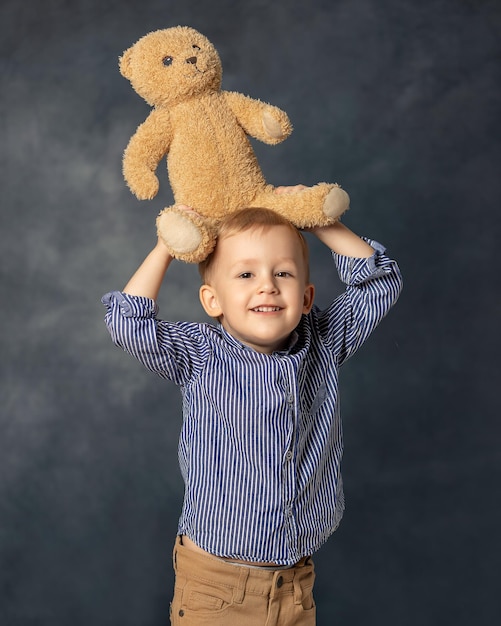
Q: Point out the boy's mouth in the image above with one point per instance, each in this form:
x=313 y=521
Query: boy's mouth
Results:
x=266 y=309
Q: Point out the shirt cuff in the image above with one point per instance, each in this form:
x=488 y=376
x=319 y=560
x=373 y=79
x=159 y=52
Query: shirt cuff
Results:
x=354 y=270
x=130 y=306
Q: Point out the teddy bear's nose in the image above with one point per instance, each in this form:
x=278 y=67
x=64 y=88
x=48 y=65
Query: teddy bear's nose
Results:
x=191 y=60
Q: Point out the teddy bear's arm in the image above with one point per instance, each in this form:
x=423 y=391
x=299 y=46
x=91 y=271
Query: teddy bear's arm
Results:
x=259 y=119
x=146 y=147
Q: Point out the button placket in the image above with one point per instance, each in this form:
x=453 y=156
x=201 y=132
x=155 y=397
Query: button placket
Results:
x=289 y=378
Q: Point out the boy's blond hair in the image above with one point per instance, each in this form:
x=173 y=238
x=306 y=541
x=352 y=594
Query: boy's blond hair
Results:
x=252 y=219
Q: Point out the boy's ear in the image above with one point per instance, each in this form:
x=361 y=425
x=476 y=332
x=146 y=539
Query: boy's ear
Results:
x=208 y=298
x=309 y=295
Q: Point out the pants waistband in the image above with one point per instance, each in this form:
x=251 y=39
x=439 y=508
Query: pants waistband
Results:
x=239 y=576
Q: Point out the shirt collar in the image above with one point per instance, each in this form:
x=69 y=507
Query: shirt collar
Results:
x=293 y=339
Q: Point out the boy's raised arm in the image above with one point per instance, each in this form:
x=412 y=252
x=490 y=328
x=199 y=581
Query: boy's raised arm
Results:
x=340 y=239
x=147 y=279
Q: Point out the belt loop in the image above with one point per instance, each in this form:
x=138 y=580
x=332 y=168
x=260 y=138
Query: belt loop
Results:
x=298 y=592
x=239 y=591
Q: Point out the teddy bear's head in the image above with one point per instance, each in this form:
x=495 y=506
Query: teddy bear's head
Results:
x=168 y=66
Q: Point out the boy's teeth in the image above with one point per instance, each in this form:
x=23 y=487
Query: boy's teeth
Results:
x=266 y=309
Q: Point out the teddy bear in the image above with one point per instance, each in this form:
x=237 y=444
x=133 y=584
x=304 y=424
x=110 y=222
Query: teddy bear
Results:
x=204 y=133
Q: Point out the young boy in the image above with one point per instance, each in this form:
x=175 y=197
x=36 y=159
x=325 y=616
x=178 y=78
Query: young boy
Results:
x=261 y=442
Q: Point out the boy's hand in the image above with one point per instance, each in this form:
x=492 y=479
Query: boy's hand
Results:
x=186 y=208
x=289 y=189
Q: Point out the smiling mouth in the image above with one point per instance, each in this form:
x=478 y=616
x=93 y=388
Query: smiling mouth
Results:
x=266 y=309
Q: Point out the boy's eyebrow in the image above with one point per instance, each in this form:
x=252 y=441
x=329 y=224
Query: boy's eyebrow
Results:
x=241 y=263
x=249 y=261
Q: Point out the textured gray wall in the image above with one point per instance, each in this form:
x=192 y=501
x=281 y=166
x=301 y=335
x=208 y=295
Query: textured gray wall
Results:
x=397 y=100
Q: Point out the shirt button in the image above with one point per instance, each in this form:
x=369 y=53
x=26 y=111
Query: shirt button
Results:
x=288 y=455
x=280 y=581
x=290 y=399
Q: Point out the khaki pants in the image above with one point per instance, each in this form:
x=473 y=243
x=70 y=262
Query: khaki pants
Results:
x=211 y=591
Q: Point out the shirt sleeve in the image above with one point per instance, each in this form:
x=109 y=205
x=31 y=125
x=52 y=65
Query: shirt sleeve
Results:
x=373 y=285
x=175 y=351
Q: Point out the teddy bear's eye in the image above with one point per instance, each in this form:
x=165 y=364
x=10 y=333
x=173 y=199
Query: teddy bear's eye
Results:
x=195 y=47
x=167 y=60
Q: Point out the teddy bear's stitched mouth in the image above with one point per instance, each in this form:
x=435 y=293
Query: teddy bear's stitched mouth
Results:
x=194 y=74
x=193 y=64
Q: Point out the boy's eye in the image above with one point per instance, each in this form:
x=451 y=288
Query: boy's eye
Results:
x=283 y=274
x=245 y=275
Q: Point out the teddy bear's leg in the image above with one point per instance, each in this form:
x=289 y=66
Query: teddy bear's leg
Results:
x=312 y=206
x=186 y=235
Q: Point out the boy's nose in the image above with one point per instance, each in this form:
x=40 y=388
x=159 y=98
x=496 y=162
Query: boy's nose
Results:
x=268 y=285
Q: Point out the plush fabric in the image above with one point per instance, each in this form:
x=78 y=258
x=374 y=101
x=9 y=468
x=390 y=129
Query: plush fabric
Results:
x=203 y=132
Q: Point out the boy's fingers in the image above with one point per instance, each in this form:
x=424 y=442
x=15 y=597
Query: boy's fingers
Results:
x=289 y=189
x=187 y=209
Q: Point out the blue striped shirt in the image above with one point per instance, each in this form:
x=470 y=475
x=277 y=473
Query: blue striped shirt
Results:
x=261 y=440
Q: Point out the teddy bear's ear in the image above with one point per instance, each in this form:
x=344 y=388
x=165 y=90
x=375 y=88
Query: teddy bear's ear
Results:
x=124 y=64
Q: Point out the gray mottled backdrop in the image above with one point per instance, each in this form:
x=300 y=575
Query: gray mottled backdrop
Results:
x=397 y=100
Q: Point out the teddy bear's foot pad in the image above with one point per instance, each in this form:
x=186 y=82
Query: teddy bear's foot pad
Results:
x=336 y=202
x=178 y=232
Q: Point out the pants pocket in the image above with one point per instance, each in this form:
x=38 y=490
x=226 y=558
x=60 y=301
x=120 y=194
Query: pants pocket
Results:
x=207 y=600
x=204 y=598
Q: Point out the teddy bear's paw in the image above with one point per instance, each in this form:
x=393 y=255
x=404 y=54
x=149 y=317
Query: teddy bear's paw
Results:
x=272 y=125
x=336 y=202
x=143 y=184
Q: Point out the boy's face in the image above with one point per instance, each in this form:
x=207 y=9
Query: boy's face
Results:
x=258 y=287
